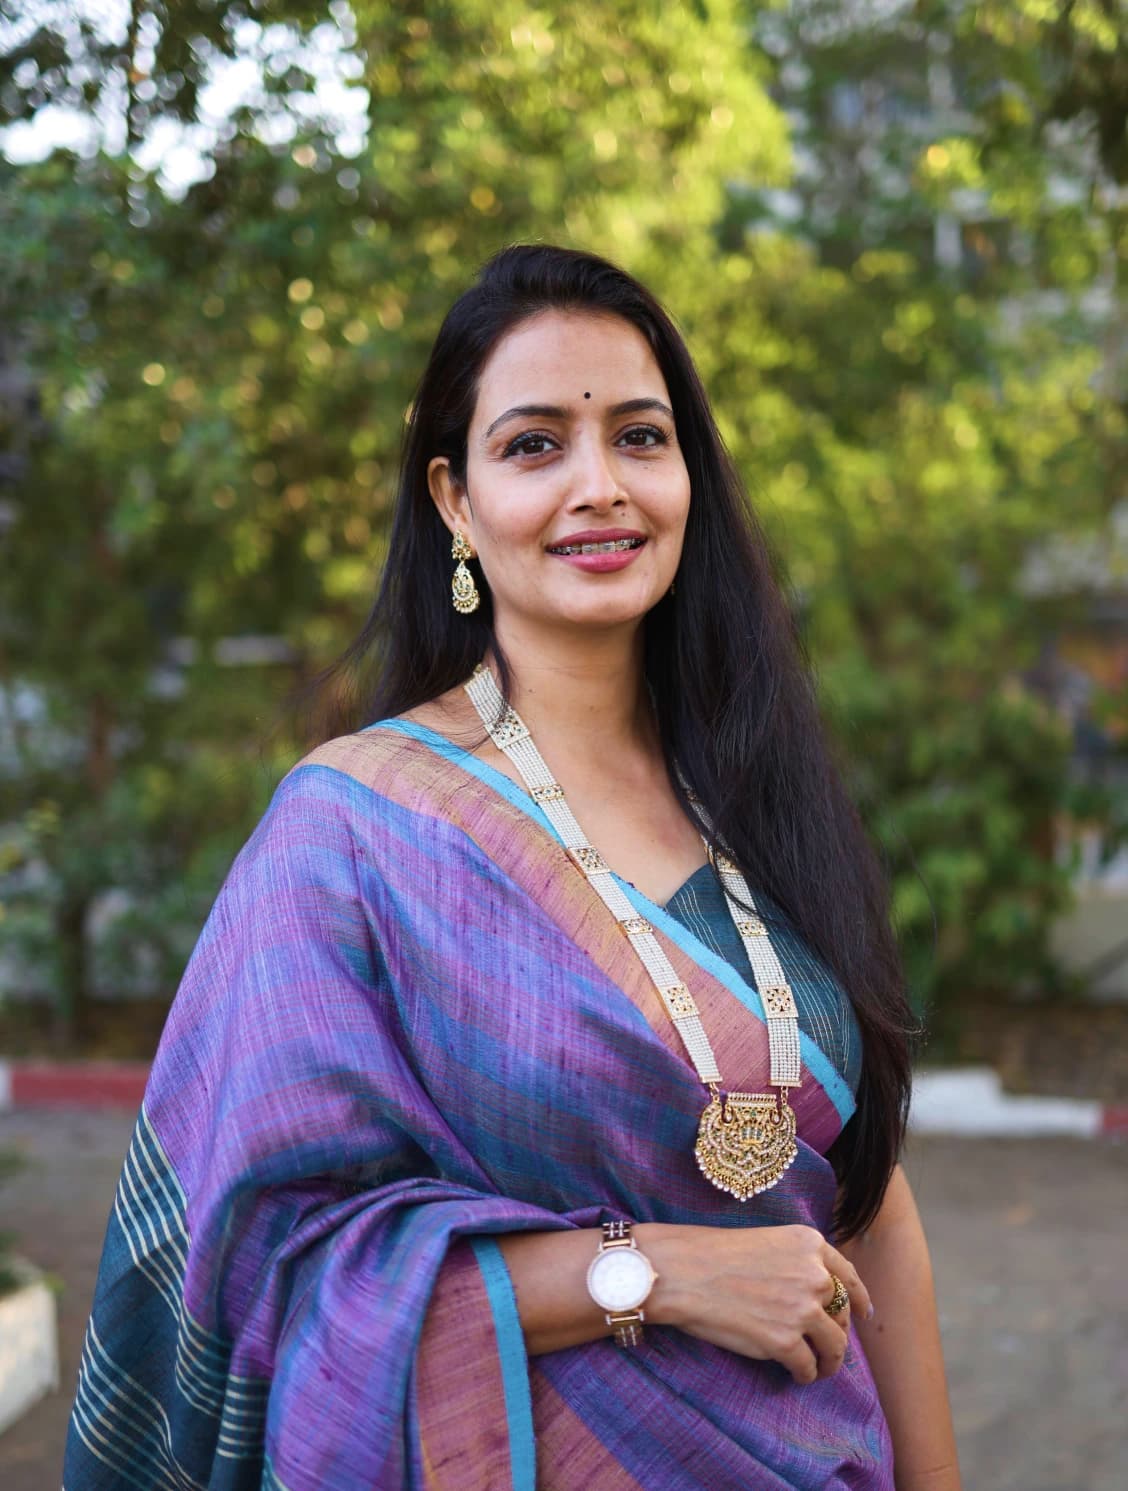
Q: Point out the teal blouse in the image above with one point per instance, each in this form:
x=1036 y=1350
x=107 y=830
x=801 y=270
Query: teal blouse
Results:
x=825 y=1011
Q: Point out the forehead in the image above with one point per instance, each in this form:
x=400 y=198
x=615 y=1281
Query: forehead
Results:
x=557 y=356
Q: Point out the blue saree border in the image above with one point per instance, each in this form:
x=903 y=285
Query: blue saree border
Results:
x=513 y=1360
x=815 y=1059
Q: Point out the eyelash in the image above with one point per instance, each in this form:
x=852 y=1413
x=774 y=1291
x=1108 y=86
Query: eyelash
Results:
x=661 y=438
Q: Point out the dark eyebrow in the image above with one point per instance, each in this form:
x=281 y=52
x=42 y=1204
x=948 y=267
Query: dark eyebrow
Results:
x=554 y=411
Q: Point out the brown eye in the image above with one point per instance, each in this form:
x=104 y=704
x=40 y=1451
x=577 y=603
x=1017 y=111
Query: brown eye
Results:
x=523 y=444
x=660 y=436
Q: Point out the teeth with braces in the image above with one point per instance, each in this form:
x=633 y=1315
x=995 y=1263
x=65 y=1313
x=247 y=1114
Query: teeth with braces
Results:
x=613 y=546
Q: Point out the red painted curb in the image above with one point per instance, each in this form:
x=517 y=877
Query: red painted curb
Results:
x=87 y=1084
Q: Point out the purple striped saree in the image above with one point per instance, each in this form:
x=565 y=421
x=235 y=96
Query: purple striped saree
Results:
x=410 y=1026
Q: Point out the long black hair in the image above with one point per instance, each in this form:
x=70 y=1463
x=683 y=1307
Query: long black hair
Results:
x=732 y=690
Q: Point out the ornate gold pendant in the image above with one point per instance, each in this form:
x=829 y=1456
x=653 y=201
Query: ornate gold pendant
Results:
x=745 y=1141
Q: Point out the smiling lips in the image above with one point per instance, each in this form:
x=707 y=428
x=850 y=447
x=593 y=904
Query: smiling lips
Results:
x=599 y=551
x=611 y=546
x=599 y=541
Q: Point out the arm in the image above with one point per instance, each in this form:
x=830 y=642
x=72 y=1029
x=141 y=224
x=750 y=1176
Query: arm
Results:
x=282 y=1182
x=758 y=1291
x=902 y=1342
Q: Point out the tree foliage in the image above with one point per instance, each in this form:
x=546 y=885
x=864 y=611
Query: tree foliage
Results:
x=206 y=394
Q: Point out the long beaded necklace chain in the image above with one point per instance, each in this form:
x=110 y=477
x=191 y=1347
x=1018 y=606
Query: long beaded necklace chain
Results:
x=745 y=1140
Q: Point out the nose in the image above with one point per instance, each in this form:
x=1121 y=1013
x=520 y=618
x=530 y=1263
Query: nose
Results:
x=595 y=482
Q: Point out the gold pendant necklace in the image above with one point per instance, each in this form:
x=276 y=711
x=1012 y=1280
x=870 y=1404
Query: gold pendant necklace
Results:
x=745 y=1140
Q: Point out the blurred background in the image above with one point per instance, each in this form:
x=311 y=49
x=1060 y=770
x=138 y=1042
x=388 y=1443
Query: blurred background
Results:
x=895 y=235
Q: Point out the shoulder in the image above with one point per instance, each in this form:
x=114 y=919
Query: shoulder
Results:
x=333 y=828
x=392 y=759
x=365 y=783
x=360 y=760
x=308 y=823
x=377 y=755
x=322 y=802
x=372 y=795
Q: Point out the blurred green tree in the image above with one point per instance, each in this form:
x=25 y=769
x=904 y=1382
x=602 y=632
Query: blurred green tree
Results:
x=215 y=379
x=221 y=378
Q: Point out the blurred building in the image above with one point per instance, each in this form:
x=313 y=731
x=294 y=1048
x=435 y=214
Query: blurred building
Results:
x=1084 y=673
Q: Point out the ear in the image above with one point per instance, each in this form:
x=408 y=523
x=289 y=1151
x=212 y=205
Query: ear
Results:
x=450 y=498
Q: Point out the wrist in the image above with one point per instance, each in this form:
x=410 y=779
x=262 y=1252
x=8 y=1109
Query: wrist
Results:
x=663 y=1243
x=620 y=1280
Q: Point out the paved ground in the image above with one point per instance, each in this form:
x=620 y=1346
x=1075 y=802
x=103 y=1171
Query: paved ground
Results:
x=1028 y=1239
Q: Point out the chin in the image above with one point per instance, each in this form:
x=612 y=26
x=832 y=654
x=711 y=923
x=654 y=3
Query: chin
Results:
x=612 y=606
x=606 y=614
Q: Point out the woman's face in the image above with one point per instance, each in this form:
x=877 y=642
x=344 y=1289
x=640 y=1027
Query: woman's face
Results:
x=556 y=460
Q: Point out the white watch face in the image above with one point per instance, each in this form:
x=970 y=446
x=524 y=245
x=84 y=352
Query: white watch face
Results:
x=619 y=1279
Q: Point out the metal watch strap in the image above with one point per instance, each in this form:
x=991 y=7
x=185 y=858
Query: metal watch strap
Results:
x=628 y=1327
x=626 y=1324
x=617 y=1234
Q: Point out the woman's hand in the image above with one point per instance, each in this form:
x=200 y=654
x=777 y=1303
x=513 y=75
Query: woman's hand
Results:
x=759 y=1291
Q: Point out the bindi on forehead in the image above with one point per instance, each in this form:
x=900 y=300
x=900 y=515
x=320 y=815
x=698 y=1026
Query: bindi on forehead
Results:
x=587 y=395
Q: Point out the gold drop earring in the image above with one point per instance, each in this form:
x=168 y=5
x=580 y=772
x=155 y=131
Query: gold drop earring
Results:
x=464 y=593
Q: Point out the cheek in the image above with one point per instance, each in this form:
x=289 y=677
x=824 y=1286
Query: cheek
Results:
x=674 y=484
x=673 y=504
x=511 y=532
x=517 y=509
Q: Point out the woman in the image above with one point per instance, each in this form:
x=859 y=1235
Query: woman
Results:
x=502 y=1131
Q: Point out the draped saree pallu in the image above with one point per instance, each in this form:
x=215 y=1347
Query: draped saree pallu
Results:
x=410 y=1026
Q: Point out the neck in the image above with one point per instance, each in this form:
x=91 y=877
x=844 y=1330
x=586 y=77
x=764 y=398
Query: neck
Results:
x=585 y=691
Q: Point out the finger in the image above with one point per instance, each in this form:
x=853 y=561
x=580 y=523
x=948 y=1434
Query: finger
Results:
x=860 y=1300
x=828 y=1341
x=801 y=1361
x=840 y=1316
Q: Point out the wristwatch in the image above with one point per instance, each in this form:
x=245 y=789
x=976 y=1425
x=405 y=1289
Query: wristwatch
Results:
x=619 y=1280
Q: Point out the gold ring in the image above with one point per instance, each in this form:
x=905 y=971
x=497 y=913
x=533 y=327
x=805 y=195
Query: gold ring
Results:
x=839 y=1299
